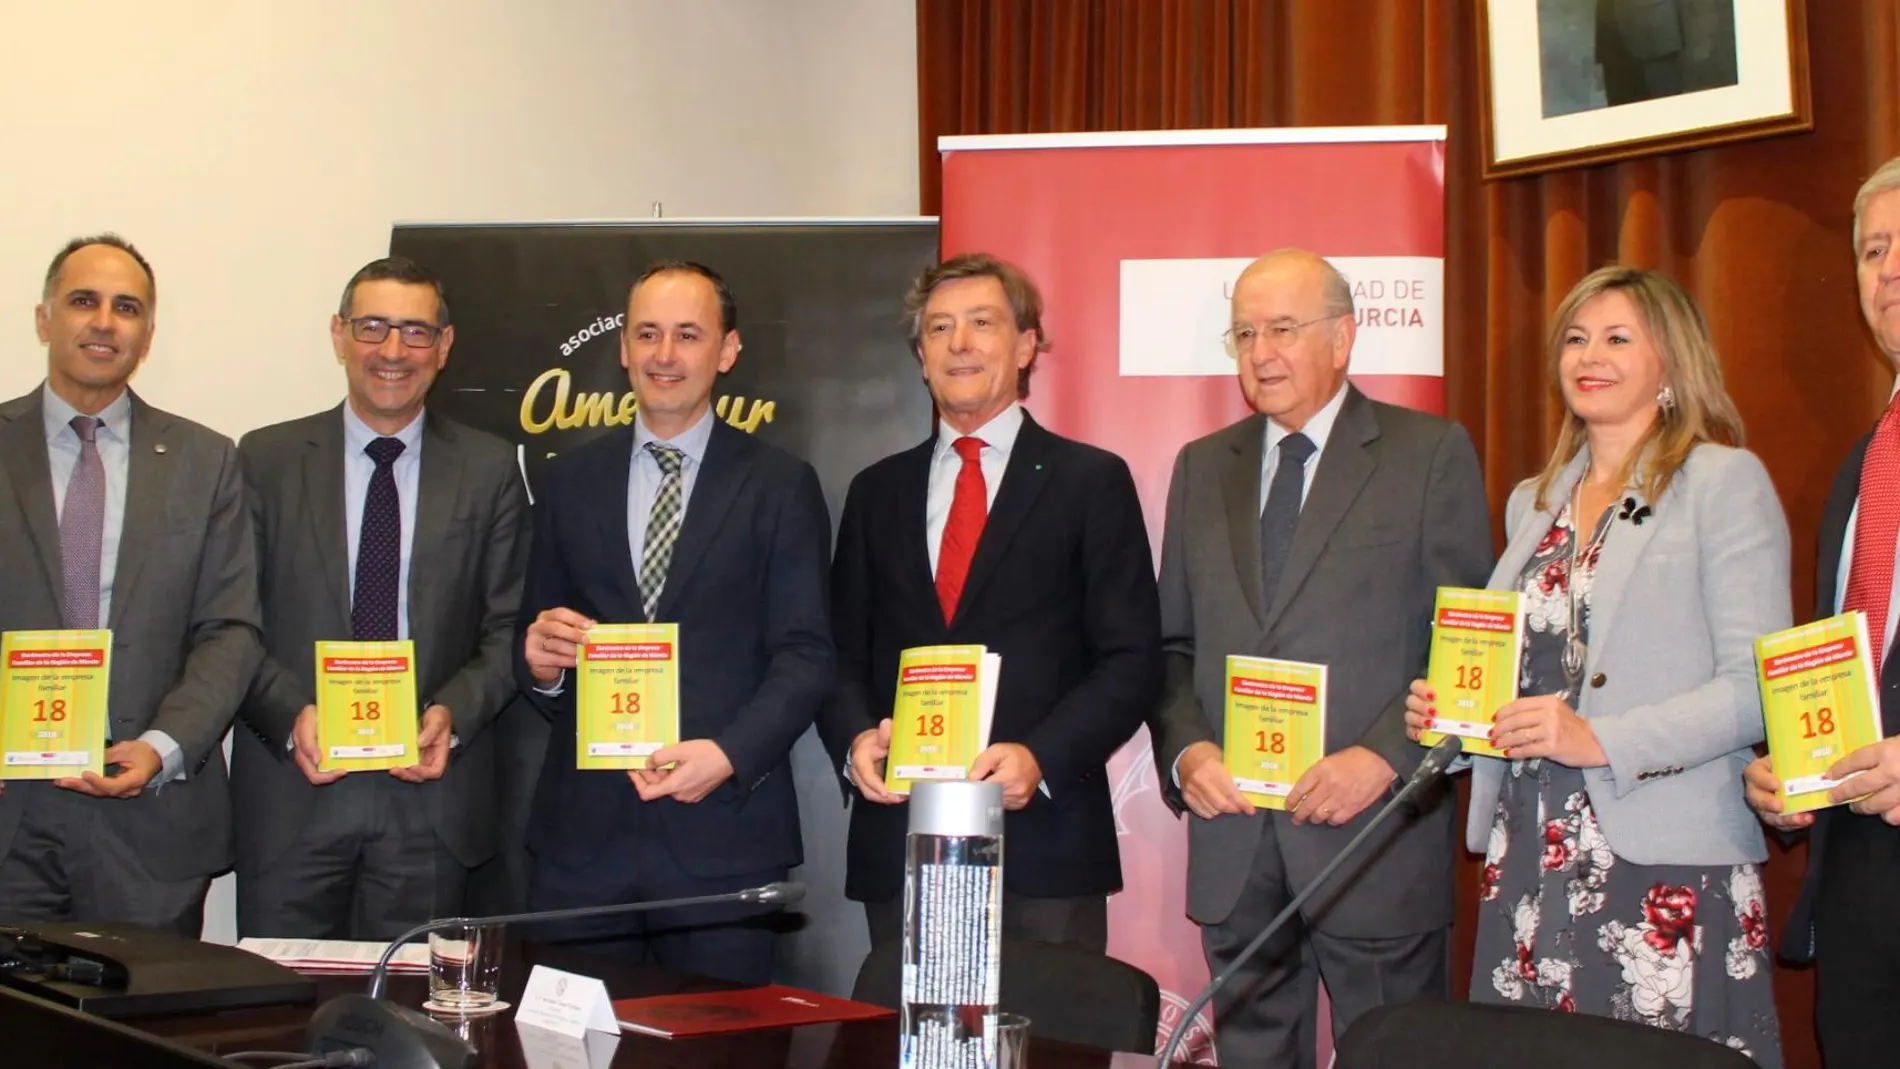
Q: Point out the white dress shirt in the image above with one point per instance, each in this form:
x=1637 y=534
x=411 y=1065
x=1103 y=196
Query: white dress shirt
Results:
x=1318 y=429
x=998 y=437
x=114 y=441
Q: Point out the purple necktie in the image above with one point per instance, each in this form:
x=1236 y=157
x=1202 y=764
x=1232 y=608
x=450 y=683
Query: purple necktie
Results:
x=378 y=550
x=82 y=527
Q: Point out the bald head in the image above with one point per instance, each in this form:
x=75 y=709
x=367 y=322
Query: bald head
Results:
x=1300 y=267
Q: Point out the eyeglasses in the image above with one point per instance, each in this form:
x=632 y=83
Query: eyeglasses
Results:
x=371 y=330
x=1241 y=337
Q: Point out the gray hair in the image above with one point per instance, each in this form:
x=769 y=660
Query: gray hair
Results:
x=1884 y=180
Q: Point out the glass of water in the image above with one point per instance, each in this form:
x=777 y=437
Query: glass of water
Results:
x=465 y=968
x=1012 y=1041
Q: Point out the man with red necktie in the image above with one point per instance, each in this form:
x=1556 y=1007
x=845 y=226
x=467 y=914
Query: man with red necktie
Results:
x=996 y=532
x=1841 y=923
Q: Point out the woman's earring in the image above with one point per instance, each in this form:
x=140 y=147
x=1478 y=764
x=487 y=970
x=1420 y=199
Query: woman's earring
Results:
x=1666 y=397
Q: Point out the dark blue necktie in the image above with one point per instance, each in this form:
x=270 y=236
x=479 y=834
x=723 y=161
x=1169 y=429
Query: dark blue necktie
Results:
x=378 y=550
x=1281 y=517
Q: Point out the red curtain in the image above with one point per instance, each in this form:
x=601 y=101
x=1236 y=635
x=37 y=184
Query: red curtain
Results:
x=1758 y=231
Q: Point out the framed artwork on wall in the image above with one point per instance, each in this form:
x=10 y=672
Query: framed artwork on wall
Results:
x=1575 y=83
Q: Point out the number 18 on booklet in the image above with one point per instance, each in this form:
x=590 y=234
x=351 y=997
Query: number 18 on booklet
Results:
x=627 y=700
x=1276 y=725
x=366 y=705
x=1818 y=698
x=1476 y=639
x=53 y=706
x=940 y=718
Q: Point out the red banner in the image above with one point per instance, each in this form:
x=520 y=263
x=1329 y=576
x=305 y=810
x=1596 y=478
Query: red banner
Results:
x=1135 y=239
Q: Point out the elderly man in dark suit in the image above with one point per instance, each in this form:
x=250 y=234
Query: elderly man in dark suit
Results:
x=377 y=520
x=679 y=518
x=116 y=515
x=1317 y=530
x=996 y=532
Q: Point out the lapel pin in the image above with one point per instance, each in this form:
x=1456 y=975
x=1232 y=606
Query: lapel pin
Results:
x=159 y=448
x=1039 y=467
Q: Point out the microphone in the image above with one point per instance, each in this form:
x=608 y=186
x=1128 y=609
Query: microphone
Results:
x=1437 y=759
x=402 y=1038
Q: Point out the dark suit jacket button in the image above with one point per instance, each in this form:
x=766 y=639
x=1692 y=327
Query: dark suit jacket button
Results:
x=1599 y=679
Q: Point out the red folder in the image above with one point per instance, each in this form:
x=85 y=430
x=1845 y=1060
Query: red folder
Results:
x=745 y=1010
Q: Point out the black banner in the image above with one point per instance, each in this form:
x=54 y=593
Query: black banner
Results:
x=824 y=373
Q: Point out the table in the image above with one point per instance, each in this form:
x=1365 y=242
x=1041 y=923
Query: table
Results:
x=845 y=1045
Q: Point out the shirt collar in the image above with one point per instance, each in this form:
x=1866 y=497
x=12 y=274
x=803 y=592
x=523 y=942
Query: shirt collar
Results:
x=998 y=434
x=1317 y=429
x=357 y=435
x=691 y=441
x=115 y=419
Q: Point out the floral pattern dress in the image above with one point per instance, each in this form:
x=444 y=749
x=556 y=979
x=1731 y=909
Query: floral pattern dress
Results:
x=1565 y=924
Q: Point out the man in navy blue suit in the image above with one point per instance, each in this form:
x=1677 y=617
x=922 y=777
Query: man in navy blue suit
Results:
x=681 y=519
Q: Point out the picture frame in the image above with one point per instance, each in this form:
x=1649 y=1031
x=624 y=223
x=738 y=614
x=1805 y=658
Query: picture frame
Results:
x=1578 y=83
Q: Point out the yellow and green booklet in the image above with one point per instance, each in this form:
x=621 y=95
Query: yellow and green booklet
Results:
x=1276 y=725
x=366 y=706
x=1819 y=701
x=1477 y=636
x=53 y=708
x=627 y=695
x=940 y=719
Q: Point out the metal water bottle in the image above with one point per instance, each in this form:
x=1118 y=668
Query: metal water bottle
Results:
x=953 y=926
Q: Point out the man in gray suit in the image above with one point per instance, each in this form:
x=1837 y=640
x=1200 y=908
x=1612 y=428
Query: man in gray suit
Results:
x=377 y=521
x=1318 y=531
x=116 y=515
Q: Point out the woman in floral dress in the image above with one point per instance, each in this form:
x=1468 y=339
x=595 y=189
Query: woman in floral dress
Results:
x=1621 y=871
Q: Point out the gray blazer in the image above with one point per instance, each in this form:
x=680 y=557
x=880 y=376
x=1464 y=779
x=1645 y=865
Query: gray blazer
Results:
x=184 y=618
x=1396 y=509
x=1671 y=693
x=471 y=546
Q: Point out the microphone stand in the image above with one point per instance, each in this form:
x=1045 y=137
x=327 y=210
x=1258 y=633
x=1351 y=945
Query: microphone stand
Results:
x=378 y=977
x=398 y=1037
x=1429 y=770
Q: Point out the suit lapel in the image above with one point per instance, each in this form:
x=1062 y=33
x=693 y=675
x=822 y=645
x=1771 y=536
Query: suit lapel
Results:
x=613 y=474
x=23 y=451
x=1344 y=467
x=910 y=503
x=438 y=483
x=324 y=504
x=728 y=465
x=1523 y=540
x=1623 y=547
x=1833 y=538
x=147 y=489
x=1240 y=493
x=1023 y=479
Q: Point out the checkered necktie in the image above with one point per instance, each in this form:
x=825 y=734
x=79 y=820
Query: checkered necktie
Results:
x=663 y=526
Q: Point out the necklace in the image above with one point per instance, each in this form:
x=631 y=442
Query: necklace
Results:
x=1575 y=652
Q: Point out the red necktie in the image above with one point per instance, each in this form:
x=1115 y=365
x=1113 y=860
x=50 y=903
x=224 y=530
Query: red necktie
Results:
x=968 y=509
x=1870 y=576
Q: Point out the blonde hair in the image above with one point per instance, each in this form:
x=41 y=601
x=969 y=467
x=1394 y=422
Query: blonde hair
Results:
x=1702 y=412
x=1884 y=180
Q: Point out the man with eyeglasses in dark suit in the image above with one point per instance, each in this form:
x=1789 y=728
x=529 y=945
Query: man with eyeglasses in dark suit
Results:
x=377 y=521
